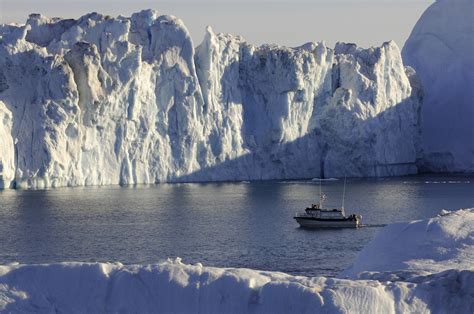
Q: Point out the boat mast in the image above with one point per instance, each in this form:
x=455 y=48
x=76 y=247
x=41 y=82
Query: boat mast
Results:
x=344 y=195
x=320 y=195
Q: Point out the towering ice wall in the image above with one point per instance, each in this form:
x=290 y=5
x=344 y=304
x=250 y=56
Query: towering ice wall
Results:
x=103 y=100
x=311 y=110
x=441 y=49
x=7 y=158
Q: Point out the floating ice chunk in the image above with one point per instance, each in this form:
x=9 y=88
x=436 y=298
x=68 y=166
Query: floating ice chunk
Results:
x=431 y=245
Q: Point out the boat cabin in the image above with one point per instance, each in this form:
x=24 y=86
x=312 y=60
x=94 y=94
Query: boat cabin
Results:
x=318 y=212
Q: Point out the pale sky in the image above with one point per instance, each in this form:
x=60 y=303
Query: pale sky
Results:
x=284 y=22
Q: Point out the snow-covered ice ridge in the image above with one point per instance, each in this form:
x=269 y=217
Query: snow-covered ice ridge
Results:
x=414 y=267
x=103 y=100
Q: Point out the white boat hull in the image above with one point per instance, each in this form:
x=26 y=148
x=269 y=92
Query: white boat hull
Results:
x=317 y=223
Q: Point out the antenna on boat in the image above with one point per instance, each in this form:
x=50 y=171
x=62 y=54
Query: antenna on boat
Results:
x=343 y=194
x=320 y=195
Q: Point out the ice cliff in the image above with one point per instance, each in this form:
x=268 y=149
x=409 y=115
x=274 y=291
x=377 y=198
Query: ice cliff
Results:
x=103 y=100
x=441 y=49
x=393 y=274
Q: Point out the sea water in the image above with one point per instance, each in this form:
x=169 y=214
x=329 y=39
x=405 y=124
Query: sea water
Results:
x=240 y=224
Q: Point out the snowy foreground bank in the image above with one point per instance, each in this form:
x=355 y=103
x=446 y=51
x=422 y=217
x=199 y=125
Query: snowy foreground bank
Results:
x=419 y=266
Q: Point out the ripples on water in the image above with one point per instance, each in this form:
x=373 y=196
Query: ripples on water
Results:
x=219 y=224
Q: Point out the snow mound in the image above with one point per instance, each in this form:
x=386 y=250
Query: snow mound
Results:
x=404 y=280
x=128 y=100
x=172 y=287
x=432 y=245
x=441 y=49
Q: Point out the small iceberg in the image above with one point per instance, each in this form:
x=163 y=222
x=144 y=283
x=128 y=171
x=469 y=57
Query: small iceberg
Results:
x=324 y=179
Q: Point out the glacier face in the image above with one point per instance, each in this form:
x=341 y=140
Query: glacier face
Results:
x=441 y=49
x=103 y=100
x=7 y=166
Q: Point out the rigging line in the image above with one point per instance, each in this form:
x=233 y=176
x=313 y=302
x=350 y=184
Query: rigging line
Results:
x=344 y=192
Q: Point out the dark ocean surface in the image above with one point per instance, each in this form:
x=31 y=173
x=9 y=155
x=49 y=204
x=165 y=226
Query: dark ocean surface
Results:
x=218 y=224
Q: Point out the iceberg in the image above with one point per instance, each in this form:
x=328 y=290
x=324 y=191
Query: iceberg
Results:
x=431 y=245
x=420 y=266
x=441 y=50
x=129 y=100
x=7 y=150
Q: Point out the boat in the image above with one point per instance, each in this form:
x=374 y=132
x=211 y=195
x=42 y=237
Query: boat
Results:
x=317 y=216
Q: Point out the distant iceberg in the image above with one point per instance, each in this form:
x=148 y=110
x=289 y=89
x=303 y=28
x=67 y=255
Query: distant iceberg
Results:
x=420 y=266
x=128 y=100
x=322 y=179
